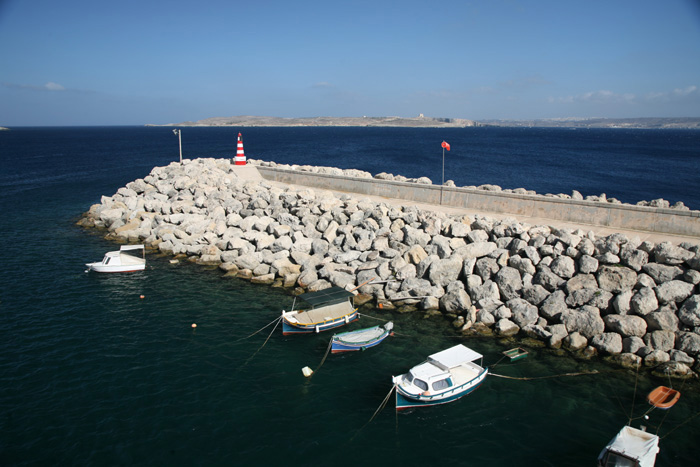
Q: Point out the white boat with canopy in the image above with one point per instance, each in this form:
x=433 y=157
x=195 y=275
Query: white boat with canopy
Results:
x=444 y=377
x=123 y=260
x=631 y=447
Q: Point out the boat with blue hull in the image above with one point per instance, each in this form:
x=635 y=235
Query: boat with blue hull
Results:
x=361 y=339
x=327 y=309
x=444 y=377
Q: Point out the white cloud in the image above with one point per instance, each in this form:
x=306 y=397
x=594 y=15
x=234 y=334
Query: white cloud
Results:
x=51 y=86
x=609 y=97
x=599 y=97
x=323 y=85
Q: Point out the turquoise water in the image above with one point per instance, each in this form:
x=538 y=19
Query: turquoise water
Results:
x=92 y=374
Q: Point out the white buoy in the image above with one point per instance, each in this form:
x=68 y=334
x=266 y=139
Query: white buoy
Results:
x=307 y=371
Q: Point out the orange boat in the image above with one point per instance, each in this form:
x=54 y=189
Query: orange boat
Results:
x=663 y=397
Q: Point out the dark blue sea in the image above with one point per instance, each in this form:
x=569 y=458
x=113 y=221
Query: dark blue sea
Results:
x=92 y=374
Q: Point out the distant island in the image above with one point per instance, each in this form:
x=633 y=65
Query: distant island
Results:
x=246 y=121
x=432 y=122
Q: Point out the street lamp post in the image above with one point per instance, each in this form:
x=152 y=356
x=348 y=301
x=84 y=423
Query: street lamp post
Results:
x=179 y=137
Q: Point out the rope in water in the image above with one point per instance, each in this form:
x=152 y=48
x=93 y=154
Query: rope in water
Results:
x=525 y=378
x=268 y=324
x=379 y=409
x=330 y=344
x=268 y=338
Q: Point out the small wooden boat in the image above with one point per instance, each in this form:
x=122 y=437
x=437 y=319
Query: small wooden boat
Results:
x=361 y=339
x=663 y=397
x=631 y=447
x=515 y=354
x=121 y=261
x=328 y=309
x=444 y=377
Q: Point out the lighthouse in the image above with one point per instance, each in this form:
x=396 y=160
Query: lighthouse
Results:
x=240 y=154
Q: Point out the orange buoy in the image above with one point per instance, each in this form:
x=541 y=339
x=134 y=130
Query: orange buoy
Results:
x=381 y=305
x=194 y=325
x=142 y=297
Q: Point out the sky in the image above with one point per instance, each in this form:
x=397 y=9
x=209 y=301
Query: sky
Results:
x=88 y=62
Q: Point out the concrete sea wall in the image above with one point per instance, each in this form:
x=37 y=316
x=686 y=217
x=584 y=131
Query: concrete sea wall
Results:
x=638 y=303
x=622 y=216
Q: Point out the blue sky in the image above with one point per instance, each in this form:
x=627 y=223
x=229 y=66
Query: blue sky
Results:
x=76 y=62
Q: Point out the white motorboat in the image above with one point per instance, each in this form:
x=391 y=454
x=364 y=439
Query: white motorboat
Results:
x=444 y=377
x=121 y=261
x=631 y=447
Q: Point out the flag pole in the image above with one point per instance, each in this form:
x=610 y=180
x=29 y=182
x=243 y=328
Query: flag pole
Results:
x=443 y=173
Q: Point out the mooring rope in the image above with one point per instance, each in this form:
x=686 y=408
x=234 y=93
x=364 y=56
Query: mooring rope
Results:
x=373 y=317
x=268 y=324
x=526 y=378
x=330 y=344
x=268 y=338
x=678 y=426
x=379 y=409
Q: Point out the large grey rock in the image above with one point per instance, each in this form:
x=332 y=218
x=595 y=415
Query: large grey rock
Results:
x=634 y=258
x=587 y=264
x=478 y=249
x=547 y=279
x=632 y=344
x=564 y=267
x=444 y=271
x=662 y=321
x=656 y=357
x=644 y=301
x=581 y=281
x=616 y=279
x=621 y=302
x=535 y=294
x=585 y=321
x=558 y=333
x=688 y=342
x=575 y=341
x=505 y=327
x=524 y=265
x=608 y=342
x=509 y=283
x=455 y=301
x=662 y=272
x=689 y=312
x=673 y=291
x=661 y=340
x=524 y=313
x=626 y=325
x=553 y=306
x=486 y=267
x=667 y=253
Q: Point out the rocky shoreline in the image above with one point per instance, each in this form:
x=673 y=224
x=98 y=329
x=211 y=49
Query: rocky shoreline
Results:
x=633 y=302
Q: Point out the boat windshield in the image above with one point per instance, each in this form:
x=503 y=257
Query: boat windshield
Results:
x=421 y=384
x=614 y=459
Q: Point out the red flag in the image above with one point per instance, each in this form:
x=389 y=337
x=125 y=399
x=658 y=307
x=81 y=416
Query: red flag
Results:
x=446 y=145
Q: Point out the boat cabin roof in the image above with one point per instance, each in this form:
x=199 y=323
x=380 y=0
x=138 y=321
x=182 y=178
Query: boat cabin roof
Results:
x=636 y=444
x=329 y=296
x=427 y=371
x=454 y=356
x=130 y=247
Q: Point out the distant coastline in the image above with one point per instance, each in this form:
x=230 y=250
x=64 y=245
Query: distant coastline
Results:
x=432 y=122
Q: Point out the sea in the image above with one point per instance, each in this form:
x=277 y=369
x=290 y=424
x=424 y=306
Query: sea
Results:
x=109 y=369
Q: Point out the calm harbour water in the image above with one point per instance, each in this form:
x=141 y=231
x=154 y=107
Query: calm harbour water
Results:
x=91 y=374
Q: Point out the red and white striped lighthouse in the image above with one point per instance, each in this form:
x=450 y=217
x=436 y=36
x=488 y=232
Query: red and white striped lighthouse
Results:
x=240 y=155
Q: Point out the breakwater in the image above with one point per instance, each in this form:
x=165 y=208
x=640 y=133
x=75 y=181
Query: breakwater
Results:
x=634 y=301
x=657 y=216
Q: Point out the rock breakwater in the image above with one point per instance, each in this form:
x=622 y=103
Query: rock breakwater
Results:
x=636 y=302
